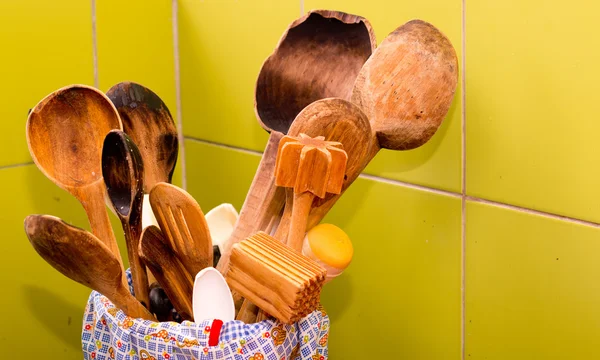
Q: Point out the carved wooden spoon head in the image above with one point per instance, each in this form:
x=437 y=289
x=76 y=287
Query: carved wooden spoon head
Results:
x=407 y=85
x=319 y=56
x=65 y=132
x=147 y=120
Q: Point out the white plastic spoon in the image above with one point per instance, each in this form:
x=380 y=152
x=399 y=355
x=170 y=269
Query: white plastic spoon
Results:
x=212 y=298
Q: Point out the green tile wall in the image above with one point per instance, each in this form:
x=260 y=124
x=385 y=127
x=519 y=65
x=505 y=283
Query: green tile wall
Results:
x=501 y=268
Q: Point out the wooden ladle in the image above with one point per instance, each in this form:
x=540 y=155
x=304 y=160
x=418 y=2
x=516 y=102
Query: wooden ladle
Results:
x=318 y=56
x=82 y=257
x=123 y=169
x=65 y=132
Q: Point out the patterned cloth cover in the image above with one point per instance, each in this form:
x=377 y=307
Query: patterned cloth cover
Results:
x=109 y=334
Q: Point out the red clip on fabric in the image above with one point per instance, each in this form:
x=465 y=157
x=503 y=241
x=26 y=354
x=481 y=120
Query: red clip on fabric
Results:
x=215 y=332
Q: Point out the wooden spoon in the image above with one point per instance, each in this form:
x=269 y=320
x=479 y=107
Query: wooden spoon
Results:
x=405 y=89
x=123 y=169
x=407 y=86
x=318 y=56
x=147 y=120
x=65 y=132
x=168 y=270
x=82 y=257
x=184 y=225
x=336 y=120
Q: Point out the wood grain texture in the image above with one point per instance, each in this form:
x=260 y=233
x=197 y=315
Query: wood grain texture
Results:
x=407 y=85
x=277 y=279
x=172 y=276
x=82 y=257
x=147 y=120
x=313 y=167
x=123 y=170
x=65 y=132
x=184 y=226
x=318 y=56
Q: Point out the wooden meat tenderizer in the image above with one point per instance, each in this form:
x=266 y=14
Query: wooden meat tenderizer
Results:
x=279 y=280
x=312 y=167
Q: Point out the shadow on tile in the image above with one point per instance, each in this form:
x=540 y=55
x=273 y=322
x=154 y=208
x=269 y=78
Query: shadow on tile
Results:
x=60 y=317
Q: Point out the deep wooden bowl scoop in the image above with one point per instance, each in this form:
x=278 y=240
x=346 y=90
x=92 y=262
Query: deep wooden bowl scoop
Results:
x=82 y=257
x=123 y=169
x=318 y=56
x=65 y=132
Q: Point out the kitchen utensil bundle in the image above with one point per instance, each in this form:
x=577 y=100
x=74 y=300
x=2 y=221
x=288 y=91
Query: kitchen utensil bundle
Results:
x=330 y=100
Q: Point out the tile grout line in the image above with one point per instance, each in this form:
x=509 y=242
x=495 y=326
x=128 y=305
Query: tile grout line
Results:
x=16 y=165
x=224 y=146
x=425 y=188
x=94 y=45
x=301 y=7
x=175 y=14
x=463 y=205
x=533 y=212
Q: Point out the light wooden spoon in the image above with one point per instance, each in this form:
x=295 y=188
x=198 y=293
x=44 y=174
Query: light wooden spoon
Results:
x=65 y=132
x=82 y=257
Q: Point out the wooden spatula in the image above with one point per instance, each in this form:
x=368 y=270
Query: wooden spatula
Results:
x=168 y=270
x=82 y=257
x=184 y=225
x=312 y=167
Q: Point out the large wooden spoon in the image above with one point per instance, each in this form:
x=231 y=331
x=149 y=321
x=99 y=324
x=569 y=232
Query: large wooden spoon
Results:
x=123 y=169
x=82 y=257
x=65 y=132
x=318 y=56
x=405 y=89
x=407 y=86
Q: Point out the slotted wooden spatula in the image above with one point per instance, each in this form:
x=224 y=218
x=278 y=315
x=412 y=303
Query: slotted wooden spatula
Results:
x=183 y=223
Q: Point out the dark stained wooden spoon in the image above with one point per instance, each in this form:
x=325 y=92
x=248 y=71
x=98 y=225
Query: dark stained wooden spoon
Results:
x=318 y=56
x=82 y=257
x=168 y=270
x=123 y=170
x=147 y=120
x=65 y=132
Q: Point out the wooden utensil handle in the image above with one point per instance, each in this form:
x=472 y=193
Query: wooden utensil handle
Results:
x=263 y=201
x=283 y=227
x=138 y=269
x=95 y=208
x=300 y=211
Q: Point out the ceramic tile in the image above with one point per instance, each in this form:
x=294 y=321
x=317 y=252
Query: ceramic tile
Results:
x=222 y=47
x=135 y=43
x=532 y=85
x=437 y=163
x=532 y=286
x=400 y=298
x=44 y=308
x=217 y=175
x=45 y=45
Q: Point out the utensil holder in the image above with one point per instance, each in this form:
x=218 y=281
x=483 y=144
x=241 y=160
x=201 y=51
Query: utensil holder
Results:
x=110 y=334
